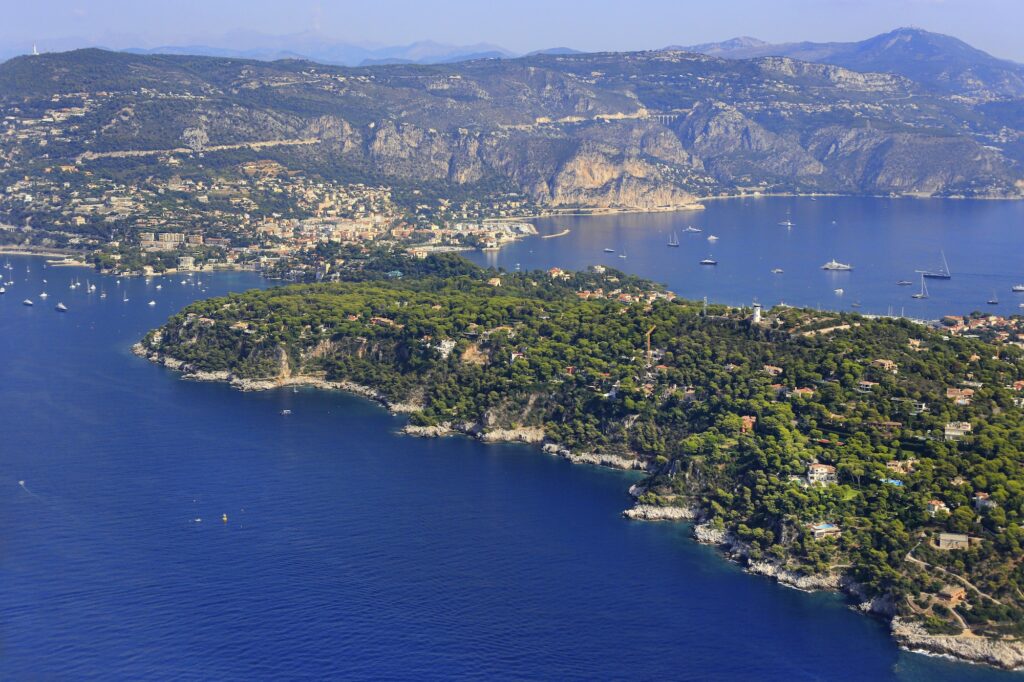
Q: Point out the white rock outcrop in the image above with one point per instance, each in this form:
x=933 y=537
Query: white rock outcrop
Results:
x=650 y=512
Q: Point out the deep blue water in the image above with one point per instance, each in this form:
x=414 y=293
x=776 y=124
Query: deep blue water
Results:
x=885 y=241
x=350 y=551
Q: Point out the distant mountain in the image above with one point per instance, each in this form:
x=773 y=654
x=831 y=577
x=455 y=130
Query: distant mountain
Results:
x=554 y=50
x=725 y=49
x=936 y=60
x=314 y=47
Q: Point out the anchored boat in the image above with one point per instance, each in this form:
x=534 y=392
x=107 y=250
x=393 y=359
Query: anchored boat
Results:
x=836 y=265
x=944 y=273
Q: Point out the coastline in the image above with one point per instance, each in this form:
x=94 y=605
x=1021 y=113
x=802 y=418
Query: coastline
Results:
x=910 y=636
x=45 y=253
x=833 y=195
x=699 y=201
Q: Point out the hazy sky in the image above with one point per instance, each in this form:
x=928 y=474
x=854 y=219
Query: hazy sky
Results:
x=519 y=25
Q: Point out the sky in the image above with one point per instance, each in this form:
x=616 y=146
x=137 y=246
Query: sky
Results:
x=518 y=25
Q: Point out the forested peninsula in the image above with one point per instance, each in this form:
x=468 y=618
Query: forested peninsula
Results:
x=832 y=451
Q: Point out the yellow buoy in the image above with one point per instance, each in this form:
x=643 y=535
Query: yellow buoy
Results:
x=224 y=518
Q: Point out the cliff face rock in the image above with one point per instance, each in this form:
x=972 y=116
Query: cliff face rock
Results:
x=802 y=581
x=838 y=76
x=732 y=145
x=408 y=150
x=513 y=435
x=707 y=534
x=333 y=129
x=1000 y=653
x=428 y=431
x=951 y=164
x=591 y=178
x=648 y=512
x=598 y=459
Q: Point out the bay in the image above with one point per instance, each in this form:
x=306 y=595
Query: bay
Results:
x=884 y=240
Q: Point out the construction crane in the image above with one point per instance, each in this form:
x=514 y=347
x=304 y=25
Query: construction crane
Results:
x=648 y=335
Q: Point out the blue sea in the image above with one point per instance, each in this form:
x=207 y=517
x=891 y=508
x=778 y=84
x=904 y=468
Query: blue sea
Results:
x=885 y=241
x=349 y=551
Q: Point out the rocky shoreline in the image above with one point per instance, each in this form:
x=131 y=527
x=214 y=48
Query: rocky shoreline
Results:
x=526 y=434
x=1007 y=655
x=191 y=374
x=911 y=636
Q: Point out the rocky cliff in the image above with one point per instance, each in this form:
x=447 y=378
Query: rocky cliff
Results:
x=635 y=130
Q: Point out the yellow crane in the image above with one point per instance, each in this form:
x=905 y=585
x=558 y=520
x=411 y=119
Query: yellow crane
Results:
x=648 y=335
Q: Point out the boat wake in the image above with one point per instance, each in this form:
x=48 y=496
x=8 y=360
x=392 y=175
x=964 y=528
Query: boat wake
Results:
x=53 y=504
x=24 y=487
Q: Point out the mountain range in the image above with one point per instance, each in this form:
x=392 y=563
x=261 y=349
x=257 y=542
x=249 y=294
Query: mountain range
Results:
x=933 y=59
x=628 y=130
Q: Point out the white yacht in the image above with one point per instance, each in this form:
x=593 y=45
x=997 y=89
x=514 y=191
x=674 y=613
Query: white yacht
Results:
x=836 y=265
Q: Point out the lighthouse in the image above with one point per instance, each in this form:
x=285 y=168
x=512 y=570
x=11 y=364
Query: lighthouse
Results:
x=756 y=318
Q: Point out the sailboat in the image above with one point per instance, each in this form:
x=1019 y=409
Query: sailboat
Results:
x=623 y=254
x=994 y=300
x=944 y=273
x=674 y=240
x=924 y=289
